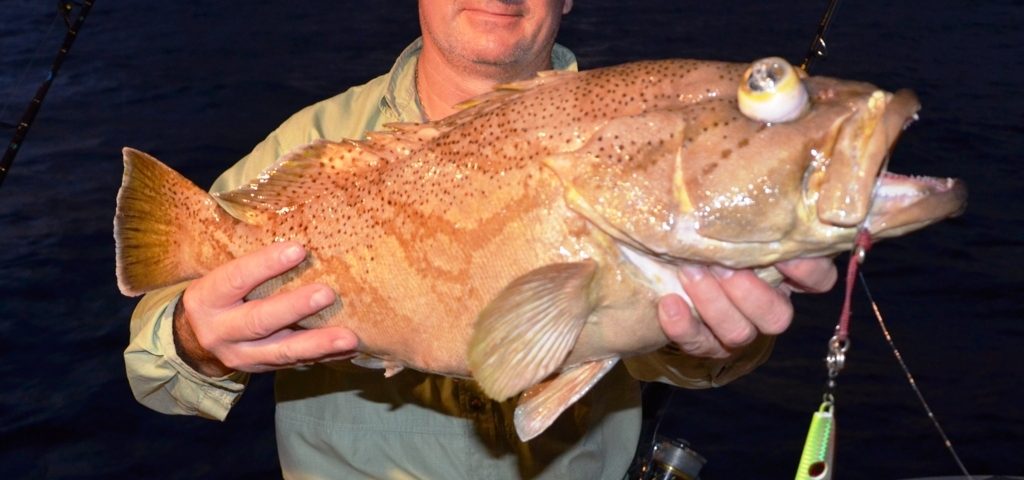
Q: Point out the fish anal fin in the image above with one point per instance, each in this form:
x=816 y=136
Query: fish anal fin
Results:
x=297 y=177
x=529 y=328
x=541 y=405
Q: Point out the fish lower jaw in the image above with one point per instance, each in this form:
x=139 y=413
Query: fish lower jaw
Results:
x=903 y=203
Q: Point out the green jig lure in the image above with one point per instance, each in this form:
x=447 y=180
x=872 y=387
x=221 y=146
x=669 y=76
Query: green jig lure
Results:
x=819 y=448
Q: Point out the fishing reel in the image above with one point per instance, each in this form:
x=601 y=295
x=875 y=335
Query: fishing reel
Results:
x=668 y=459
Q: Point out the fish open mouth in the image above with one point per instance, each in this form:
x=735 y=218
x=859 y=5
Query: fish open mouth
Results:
x=886 y=203
x=902 y=203
x=860 y=151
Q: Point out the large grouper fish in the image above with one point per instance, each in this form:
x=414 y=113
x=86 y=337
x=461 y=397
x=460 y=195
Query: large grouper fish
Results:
x=525 y=240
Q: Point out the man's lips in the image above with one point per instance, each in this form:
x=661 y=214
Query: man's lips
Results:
x=496 y=12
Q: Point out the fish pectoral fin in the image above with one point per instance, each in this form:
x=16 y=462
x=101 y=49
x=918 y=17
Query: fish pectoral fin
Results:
x=391 y=368
x=541 y=405
x=528 y=330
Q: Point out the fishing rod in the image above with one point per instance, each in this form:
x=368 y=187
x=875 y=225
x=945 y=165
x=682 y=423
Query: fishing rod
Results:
x=21 y=129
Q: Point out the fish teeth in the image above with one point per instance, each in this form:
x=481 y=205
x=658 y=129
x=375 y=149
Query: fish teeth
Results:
x=899 y=190
x=894 y=185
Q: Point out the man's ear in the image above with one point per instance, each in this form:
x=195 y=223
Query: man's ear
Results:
x=566 y=6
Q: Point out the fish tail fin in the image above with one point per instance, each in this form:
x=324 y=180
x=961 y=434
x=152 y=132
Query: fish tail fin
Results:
x=526 y=333
x=161 y=218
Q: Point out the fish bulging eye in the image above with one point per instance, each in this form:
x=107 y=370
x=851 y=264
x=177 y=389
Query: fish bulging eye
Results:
x=772 y=91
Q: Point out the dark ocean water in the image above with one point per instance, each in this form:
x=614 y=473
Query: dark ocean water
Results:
x=198 y=84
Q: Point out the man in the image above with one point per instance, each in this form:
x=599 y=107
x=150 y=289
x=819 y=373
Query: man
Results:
x=194 y=345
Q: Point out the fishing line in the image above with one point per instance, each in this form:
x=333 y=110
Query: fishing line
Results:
x=818 y=48
x=910 y=379
x=22 y=128
x=818 y=455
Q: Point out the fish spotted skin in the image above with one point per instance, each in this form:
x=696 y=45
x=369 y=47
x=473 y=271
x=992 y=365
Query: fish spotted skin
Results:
x=519 y=241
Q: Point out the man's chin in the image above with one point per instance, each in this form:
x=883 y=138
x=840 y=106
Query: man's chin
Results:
x=496 y=54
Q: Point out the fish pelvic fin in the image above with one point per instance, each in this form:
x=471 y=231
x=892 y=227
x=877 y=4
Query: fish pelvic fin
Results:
x=541 y=405
x=161 y=219
x=527 y=331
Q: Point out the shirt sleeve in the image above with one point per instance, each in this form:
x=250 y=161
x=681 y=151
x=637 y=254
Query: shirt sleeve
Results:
x=671 y=366
x=159 y=378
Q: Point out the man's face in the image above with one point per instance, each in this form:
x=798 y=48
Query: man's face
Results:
x=492 y=32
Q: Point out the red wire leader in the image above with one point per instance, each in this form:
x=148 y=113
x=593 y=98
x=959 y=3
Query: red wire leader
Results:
x=861 y=245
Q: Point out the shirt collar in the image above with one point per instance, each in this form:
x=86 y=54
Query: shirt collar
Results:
x=563 y=59
x=400 y=100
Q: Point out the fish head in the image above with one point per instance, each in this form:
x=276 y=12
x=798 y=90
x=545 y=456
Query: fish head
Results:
x=848 y=182
x=696 y=179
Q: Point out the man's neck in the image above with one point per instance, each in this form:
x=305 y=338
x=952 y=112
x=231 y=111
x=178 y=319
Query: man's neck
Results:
x=441 y=85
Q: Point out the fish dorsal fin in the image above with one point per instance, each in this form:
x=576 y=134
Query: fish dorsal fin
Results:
x=541 y=405
x=403 y=138
x=528 y=330
x=542 y=78
x=298 y=177
x=504 y=90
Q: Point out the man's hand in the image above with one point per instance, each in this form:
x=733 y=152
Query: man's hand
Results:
x=217 y=332
x=736 y=306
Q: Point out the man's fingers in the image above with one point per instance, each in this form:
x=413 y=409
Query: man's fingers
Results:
x=687 y=332
x=813 y=275
x=736 y=306
x=228 y=284
x=729 y=325
x=293 y=347
x=262 y=318
x=769 y=310
x=260 y=335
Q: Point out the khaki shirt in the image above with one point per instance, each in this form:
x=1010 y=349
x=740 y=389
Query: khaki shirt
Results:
x=343 y=421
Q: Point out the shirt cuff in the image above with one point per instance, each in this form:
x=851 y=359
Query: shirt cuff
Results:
x=159 y=378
